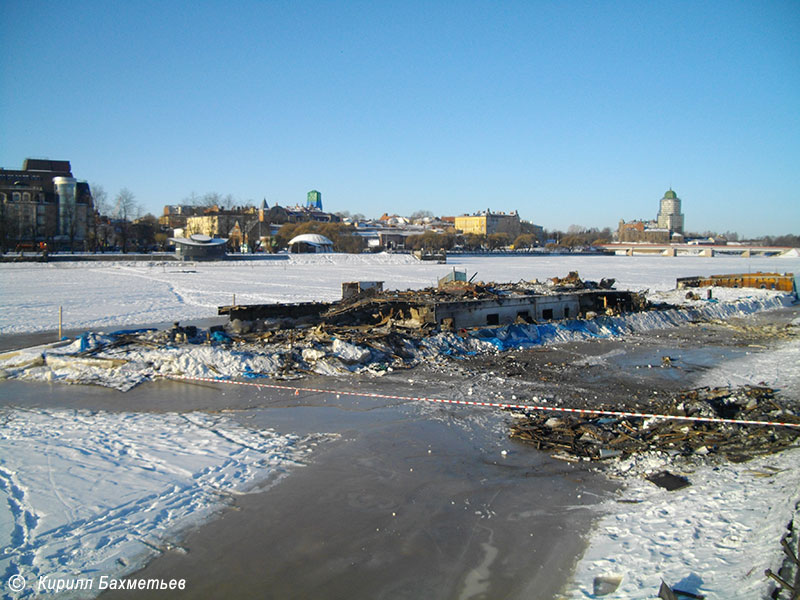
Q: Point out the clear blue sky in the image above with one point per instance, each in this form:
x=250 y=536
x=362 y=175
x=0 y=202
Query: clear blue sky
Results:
x=570 y=112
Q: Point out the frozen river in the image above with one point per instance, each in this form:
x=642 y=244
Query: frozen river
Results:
x=102 y=295
x=365 y=497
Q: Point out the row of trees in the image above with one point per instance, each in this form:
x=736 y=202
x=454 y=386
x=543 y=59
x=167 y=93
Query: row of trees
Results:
x=783 y=240
x=474 y=242
x=430 y=240
x=113 y=225
x=123 y=206
x=340 y=234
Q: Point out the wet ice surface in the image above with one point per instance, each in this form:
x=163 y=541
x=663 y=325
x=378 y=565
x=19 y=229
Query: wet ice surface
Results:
x=416 y=500
x=96 y=493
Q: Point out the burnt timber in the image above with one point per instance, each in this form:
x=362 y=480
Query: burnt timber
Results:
x=449 y=308
x=767 y=281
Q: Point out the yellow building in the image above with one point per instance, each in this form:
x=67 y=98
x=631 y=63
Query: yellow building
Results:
x=230 y=226
x=471 y=224
x=487 y=223
x=207 y=225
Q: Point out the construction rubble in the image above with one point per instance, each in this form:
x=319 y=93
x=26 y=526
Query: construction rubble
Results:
x=599 y=437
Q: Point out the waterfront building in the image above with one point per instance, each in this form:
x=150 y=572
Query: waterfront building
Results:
x=488 y=222
x=42 y=203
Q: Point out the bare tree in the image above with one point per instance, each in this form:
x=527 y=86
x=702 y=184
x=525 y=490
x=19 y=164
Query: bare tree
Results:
x=193 y=199
x=101 y=208
x=100 y=199
x=6 y=226
x=420 y=215
x=211 y=199
x=125 y=205
x=125 y=208
x=227 y=202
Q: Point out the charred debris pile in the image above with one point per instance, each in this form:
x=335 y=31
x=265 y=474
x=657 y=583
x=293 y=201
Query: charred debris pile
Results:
x=598 y=437
x=367 y=312
x=371 y=328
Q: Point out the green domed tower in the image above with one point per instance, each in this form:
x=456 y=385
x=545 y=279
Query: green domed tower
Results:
x=669 y=214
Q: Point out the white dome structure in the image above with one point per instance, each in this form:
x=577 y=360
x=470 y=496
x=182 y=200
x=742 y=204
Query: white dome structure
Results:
x=310 y=243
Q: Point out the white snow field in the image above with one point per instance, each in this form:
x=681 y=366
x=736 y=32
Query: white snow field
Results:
x=102 y=295
x=95 y=493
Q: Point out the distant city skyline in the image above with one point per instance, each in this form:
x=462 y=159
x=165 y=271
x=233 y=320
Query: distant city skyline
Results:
x=571 y=113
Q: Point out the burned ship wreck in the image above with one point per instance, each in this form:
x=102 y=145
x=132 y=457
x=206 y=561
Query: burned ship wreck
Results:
x=456 y=304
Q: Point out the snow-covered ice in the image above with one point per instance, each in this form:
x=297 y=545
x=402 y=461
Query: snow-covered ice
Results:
x=99 y=493
x=107 y=490
x=102 y=295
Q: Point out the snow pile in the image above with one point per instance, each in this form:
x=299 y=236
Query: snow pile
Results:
x=350 y=353
x=123 y=370
x=94 y=493
x=715 y=537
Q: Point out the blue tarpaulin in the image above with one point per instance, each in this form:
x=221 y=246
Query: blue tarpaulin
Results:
x=220 y=336
x=131 y=331
x=84 y=342
x=509 y=337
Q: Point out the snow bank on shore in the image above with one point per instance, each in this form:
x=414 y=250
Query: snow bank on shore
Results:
x=95 y=493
